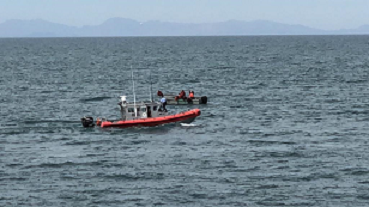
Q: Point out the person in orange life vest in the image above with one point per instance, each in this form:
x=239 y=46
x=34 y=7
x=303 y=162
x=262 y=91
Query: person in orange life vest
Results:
x=191 y=94
x=181 y=95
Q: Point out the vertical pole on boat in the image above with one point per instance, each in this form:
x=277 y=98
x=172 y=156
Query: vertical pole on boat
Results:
x=150 y=87
x=134 y=95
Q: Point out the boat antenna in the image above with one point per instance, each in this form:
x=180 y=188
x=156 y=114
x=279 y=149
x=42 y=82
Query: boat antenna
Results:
x=134 y=95
x=150 y=86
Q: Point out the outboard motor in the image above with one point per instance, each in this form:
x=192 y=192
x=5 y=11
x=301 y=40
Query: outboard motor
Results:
x=203 y=100
x=87 y=121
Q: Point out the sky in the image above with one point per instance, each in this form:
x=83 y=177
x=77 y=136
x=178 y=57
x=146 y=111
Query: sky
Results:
x=320 y=14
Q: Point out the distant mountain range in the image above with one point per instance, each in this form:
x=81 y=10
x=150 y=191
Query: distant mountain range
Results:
x=129 y=27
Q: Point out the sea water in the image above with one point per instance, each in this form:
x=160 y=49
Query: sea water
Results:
x=286 y=124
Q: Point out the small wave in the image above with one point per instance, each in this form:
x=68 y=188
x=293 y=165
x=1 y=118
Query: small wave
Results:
x=5 y=198
x=94 y=99
x=78 y=143
x=179 y=143
x=280 y=203
x=357 y=81
x=49 y=121
x=46 y=91
x=279 y=154
x=73 y=197
x=14 y=179
x=265 y=142
x=285 y=154
x=363 y=197
x=236 y=106
x=221 y=67
x=9 y=125
x=252 y=169
x=64 y=164
x=359 y=172
x=364 y=182
x=198 y=195
x=13 y=165
x=267 y=186
x=134 y=176
x=188 y=125
x=138 y=142
x=117 y=202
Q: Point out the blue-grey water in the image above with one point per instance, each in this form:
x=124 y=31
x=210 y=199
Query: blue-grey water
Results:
x=286 y=124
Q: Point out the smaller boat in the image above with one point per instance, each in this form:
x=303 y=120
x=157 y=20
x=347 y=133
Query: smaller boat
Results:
x=181 y=99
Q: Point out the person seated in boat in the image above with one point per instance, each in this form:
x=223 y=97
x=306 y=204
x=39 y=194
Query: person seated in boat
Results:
x=160 y=94
x=164 y=103
x=191 y=94
x=181 y=95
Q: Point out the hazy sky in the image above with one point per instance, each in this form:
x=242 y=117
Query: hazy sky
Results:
x=321 y=14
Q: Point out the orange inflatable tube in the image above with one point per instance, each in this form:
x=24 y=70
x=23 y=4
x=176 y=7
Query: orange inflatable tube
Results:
x=153 y=121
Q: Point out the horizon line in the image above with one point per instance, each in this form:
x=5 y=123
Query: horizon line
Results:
x=215 y=22
x=279 y=35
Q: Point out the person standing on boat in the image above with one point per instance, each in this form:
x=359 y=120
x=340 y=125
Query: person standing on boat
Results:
x=164 y=103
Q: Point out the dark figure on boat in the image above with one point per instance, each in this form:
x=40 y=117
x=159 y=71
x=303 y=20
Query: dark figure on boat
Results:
x=149 y=111
x=160 y=94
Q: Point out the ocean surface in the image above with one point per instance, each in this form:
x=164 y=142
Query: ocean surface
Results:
x=286 y=124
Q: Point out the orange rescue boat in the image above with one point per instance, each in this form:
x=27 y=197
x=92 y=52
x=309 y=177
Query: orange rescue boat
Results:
x=184 y=117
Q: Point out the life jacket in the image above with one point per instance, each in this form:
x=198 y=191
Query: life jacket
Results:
x=191 y=94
